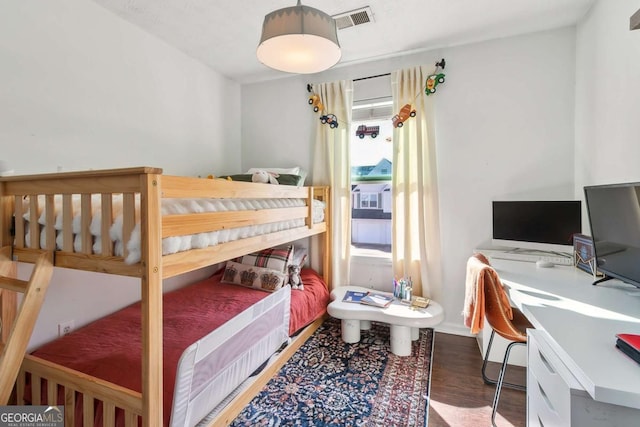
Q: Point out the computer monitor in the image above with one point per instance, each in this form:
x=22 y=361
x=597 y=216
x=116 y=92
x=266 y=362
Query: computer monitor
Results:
x=614 y=217
x=540 y=225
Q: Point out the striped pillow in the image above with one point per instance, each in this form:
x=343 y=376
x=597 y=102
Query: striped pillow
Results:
x=273 y=258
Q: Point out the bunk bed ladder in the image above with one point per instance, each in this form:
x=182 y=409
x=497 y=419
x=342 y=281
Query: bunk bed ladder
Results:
x=33 y=291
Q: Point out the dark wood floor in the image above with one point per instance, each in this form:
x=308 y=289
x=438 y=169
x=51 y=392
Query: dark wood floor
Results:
x=460 y=398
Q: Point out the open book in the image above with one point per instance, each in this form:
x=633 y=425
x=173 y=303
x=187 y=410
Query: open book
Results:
x=377 y=299
x=354 y=296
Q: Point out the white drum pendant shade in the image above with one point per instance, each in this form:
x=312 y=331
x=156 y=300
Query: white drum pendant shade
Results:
x=299 y=39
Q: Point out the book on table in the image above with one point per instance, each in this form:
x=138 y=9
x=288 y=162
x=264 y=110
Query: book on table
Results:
x=377 y=299
x=629 y=344
x=420 y=302
x=354 y=296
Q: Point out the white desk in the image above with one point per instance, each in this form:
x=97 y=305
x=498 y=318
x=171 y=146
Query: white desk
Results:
x=579 y=323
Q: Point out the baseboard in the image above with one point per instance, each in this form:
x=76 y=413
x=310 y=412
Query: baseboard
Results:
x=454 y=329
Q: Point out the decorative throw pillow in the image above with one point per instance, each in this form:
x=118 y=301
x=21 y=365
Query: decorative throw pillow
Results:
x=293 y=171
x=254 y=277
x=300 y=254
x=290 y=179
x=283 y=179
x=274 y=258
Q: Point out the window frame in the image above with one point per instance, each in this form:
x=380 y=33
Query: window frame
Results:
x=369 y=197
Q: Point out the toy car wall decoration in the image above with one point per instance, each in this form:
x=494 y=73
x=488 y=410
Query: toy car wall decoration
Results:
x=315 y=101
x=432 y=81
x=330 y=119
x=403 y=115
x=363 y=130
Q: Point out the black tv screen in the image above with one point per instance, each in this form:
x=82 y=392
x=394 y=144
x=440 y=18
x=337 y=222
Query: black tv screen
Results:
x=614 y=217
x=543 y=225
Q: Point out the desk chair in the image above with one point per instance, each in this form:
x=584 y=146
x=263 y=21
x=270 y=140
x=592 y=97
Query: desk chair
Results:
x=514 y=330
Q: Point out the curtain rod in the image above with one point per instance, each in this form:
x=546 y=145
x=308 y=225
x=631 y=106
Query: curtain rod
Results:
x=310 y=86
x=372 y=77
x=440 y=64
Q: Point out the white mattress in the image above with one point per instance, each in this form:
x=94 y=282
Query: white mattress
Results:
x=175 y=244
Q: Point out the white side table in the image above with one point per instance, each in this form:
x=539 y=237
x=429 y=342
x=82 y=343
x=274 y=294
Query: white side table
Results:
x=405 y=323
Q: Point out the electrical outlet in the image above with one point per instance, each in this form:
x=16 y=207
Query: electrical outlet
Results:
x=65 y=327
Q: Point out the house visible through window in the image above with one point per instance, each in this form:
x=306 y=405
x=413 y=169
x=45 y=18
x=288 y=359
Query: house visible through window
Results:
x=371 y=153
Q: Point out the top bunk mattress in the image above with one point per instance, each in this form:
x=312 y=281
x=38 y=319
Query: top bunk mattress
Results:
x=173 y=244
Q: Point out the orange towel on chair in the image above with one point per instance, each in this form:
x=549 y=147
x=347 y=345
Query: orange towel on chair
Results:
x=478 y=270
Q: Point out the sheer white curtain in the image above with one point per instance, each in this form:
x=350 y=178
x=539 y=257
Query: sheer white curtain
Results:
x=331 y=166
x=415 y=219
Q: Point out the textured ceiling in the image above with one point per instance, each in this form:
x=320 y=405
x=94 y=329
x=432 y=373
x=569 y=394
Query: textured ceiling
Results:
x=224 y=34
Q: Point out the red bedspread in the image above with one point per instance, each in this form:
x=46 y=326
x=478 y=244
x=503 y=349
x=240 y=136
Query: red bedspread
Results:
x=110 y=347
x=310 y=304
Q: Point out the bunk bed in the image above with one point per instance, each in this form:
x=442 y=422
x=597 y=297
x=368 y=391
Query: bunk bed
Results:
x=138 y=222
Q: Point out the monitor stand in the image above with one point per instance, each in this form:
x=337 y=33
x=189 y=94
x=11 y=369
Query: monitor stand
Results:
x=602 y=279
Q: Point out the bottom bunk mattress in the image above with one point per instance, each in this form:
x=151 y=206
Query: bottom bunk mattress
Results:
x=214 y=336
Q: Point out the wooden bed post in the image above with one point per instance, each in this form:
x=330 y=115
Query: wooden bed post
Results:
x=328 y=248
x=151 y=283
x=321 y=243
x=8 y=299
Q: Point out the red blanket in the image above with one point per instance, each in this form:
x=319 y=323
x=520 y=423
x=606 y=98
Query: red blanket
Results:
x=310 y=304
x=110 y=348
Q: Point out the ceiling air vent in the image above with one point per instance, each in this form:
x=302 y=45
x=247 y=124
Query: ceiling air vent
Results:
x=353 y=18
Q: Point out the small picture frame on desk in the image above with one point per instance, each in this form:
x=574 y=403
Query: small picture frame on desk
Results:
x=584 y=256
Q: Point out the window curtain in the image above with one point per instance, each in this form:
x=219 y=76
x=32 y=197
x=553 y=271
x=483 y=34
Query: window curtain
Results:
x=331 y=166
x=415 y=219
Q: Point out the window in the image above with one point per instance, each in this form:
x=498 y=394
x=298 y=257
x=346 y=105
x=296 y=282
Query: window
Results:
x=371 y=155
x=369 y=200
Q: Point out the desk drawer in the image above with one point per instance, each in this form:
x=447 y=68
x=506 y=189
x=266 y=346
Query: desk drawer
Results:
x=540 y=412
x=549 y=383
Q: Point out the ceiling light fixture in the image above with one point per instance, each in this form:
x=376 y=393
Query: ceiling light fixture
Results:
x=299 y=39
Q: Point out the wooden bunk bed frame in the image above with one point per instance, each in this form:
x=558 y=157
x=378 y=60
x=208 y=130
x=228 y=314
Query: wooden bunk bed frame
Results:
x=151 y=187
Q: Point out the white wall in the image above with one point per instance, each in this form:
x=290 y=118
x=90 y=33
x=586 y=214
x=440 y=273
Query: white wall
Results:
x=504 y=128
x=277 y=124
x=84 y=89
x=81 y=89
x=607 y=122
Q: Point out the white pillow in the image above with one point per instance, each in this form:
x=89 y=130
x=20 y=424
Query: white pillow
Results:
x=300 y=254
x=303 y=176
x=288 y=171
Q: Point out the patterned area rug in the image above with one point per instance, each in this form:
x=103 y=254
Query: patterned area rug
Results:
x=330 y=383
